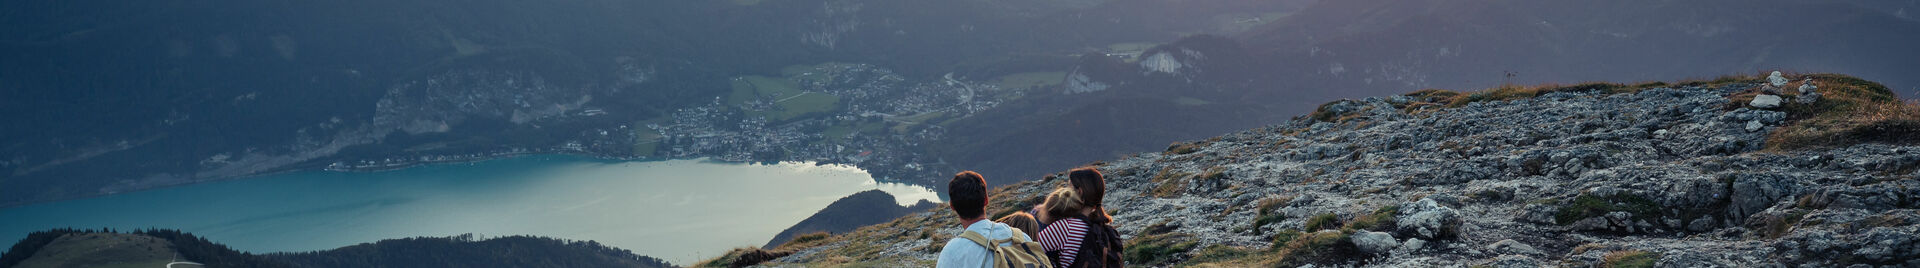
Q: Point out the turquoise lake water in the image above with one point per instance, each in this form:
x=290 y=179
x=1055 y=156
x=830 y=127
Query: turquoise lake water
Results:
x=678 y=210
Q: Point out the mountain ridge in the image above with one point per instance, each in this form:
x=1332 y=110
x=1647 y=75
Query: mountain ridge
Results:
x=853 y=211
x=1683 y=174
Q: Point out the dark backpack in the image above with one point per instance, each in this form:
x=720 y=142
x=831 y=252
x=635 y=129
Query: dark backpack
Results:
x=1101 y=248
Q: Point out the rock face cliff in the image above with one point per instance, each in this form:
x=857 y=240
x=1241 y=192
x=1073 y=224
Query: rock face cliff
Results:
x=1669 y=175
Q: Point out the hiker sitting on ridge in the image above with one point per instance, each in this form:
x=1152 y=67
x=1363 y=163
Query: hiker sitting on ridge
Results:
x=1026 y=223
x=984 y=243
x=1078 y=231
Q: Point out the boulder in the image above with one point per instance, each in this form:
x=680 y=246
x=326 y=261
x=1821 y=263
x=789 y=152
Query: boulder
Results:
x=1590 y=224
x=1374 y=242
x=1755 y=125
x=1887 y=244
x=1428 y=219
x=1509 y=246
x=1777 y=80
x=1538 y=213
x=1765 y=101
x=1755 y=192
x=1412 y=245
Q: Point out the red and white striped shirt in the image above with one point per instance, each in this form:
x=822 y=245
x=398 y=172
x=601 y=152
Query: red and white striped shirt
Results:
x=1064 y=235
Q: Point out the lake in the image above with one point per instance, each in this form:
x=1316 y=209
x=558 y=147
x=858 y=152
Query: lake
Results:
x=678 y=210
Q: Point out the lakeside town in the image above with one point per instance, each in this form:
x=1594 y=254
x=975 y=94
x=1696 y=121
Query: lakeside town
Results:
x=832 y=113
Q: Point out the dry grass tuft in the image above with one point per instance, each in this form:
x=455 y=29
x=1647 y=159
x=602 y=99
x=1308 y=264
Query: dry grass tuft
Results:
x=1850 y=111
x=1630 y=259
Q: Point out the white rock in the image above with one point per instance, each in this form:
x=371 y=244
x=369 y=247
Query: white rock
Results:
x=1764 y=101
x=1374 y=242
x=1777 y=80
x=1807 y=86
x=1754 y=125
x=1412 y=245
x=1513 y=247
x=1428 y=219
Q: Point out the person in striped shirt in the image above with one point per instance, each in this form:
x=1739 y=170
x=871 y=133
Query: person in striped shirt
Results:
x=1062 y=212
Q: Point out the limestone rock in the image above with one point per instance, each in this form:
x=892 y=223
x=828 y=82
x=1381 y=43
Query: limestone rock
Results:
x=1777 y=80
x=1755 y=192
x=1889 y=244
x=1410 y=246
x=1509 y=246
x=1428 y=219
x=1538 y=213
x=1374 y=242
x=1765 y=101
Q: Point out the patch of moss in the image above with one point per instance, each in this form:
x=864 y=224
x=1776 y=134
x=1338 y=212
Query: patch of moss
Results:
x=1179 y=148
x=1265 y=213
x=743 y=257
x=1722 y=80
x=1318 y=248
x=1160 y=227
x=1157 y=249
x=1322 y=221
x=1588 y=206
x=1630 y=259
x=1506 y=93
x=804 y=240
x=1171 y=183
x=1280 y=240
x=1216 y=253
x=1380 y=220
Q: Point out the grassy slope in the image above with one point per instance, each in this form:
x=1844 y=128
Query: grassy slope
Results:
x=790 y=101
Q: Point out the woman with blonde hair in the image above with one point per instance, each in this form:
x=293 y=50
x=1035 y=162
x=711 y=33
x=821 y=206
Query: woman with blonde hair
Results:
x=1023 y=221
x=1086 y=228
x=1064 y=213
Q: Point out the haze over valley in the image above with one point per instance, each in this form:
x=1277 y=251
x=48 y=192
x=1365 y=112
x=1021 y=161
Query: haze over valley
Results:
x=118 y=100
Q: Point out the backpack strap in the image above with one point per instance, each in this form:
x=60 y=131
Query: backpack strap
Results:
x=979 y=239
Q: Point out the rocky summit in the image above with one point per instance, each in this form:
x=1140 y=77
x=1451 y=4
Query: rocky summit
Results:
x=1664 y=175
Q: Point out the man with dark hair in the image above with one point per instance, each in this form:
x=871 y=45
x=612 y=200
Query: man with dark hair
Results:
x=967 y=195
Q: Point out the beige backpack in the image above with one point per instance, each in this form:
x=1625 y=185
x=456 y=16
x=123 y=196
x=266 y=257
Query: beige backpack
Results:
x=1022 y=253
